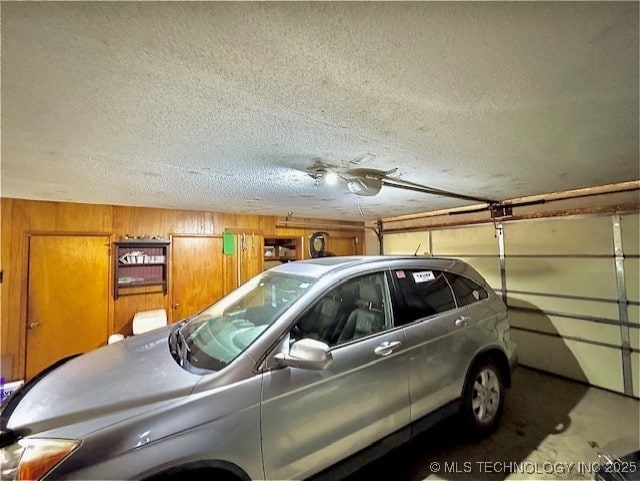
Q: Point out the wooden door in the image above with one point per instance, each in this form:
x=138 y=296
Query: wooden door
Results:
x=342 y=246
x=68 y=297
x=197 y=275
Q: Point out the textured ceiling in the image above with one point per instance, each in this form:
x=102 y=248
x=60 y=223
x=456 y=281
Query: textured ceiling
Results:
x=222 y=106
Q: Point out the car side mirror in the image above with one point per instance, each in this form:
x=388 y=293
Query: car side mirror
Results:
x=307 y=354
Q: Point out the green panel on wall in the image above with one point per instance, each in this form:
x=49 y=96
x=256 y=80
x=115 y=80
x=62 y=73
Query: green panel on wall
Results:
x=228 y=243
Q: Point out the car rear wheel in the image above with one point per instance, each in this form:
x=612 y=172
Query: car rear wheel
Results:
x=483 y=398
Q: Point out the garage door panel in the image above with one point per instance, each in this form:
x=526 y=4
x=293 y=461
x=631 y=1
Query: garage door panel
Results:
x=406 y=243
x=467 y=240
x=555 y=357
x=488 y=267
x=566 y=327
x=631 y=275
x=602 y=365
x=573 y=276
x=596 y=365
x=453 y=242
x=592 y=236
x=578 y=307
x=635 y=369
x=630 y=226
x=634 y=338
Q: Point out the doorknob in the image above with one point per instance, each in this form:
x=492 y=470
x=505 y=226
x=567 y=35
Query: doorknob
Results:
x=33 y=325
x=176 y=305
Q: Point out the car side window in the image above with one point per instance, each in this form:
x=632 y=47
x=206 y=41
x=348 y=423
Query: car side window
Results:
x=466 y=291
x=420 y=294
x=354 y=309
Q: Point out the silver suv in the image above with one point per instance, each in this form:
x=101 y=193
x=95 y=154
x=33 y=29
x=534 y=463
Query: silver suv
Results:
x=302 y=367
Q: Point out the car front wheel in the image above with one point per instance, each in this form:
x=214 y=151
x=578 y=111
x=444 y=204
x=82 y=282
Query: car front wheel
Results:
x=483 y=398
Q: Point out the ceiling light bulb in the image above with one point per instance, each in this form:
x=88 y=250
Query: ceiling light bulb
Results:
x=331 y=177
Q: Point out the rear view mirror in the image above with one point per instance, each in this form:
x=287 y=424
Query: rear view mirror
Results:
x=307 y=354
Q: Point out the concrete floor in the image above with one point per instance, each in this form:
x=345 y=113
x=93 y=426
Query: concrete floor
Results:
x=551 y=428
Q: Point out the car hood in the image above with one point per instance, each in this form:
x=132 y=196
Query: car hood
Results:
x=106 y=385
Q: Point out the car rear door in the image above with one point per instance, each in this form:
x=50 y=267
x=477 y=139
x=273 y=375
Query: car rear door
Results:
x=423 y=301
x=313 y=419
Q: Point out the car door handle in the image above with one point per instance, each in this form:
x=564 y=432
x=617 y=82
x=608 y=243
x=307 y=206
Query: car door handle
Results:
x=386 y=348
x=462 y=321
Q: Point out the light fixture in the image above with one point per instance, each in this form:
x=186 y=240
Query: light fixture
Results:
x=368 y=182
x=330 y=177
x=364 y=186
x=325 y=174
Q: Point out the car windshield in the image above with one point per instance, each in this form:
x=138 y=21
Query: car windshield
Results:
x=219 y=334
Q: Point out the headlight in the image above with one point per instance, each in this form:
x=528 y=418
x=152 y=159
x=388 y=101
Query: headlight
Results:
x=33 y=458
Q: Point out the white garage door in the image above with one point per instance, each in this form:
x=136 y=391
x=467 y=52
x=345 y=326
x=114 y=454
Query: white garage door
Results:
x=571 y=285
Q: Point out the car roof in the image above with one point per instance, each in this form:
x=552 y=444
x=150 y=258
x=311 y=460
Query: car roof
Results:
x=322 y=266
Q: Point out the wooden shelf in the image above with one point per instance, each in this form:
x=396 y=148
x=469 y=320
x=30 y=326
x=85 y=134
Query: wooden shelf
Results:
x=276 y=244
x=139 y=283
x=141 y=265
x=137 y=272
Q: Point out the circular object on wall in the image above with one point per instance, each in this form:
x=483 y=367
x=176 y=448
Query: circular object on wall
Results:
x=317 y=244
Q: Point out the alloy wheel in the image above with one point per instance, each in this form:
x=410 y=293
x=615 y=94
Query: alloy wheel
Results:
x=485 y=396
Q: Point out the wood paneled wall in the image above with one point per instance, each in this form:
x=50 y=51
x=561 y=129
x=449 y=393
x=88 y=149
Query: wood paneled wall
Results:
x=19 y=218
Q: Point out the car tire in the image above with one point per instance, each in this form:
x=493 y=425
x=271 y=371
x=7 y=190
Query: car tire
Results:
x=483 y=398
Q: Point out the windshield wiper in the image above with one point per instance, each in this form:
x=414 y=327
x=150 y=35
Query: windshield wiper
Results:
x=181 y=343
x=178 y=345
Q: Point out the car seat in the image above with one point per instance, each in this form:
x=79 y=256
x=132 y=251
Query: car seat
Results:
x=366 y=319
x=320 y=318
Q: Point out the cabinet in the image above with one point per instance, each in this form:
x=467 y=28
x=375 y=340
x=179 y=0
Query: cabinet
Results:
x=140 y=264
